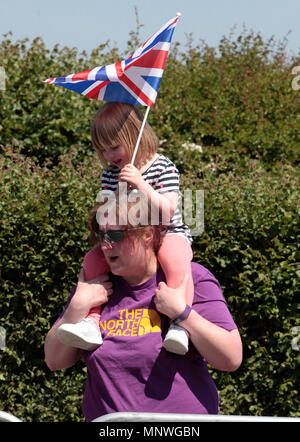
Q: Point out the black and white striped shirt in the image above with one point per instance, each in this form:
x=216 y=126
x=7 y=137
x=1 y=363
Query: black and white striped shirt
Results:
x=163 y=176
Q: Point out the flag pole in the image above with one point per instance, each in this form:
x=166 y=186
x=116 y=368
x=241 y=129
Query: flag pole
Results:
x=143 y=124
x=140 y=135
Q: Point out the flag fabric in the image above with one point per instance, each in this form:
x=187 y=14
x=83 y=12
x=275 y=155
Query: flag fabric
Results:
x=135 y=80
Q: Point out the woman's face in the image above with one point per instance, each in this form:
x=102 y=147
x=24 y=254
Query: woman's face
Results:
x=127 y=258
x=116 y=155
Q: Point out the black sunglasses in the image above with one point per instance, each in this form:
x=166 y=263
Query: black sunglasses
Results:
x=113 y=236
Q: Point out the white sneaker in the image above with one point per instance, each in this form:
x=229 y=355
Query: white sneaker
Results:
x=176 y=340
x=84 y=334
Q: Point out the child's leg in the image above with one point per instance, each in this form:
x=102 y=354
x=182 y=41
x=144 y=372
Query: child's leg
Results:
x=94 y=264
x=86 y=334
x=175 y=256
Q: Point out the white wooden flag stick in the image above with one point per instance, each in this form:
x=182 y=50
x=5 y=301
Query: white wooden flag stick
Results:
x=140 y=135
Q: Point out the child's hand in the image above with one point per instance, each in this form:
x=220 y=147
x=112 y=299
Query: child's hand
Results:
x=131 y=175
x=171 y=302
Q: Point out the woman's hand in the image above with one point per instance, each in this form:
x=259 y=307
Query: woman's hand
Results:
x=221 y=348
x=131 y=175
x=171 y=302
x=88 y=294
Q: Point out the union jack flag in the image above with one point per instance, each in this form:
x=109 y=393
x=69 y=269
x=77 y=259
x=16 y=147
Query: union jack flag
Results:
x=134 y=81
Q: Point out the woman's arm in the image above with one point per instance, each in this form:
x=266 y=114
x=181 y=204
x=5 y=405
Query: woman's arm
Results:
x=88 y=294
x=220 y=347
x=57 y=355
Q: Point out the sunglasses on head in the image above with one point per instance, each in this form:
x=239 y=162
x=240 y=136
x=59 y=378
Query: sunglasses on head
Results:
x=113 y=236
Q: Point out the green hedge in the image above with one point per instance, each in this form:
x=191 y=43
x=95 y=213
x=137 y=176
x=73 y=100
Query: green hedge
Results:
x=237 y=97
x=43 y=241
x=249 y=243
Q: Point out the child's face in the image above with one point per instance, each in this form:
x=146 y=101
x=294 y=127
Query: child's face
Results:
x=117 y=155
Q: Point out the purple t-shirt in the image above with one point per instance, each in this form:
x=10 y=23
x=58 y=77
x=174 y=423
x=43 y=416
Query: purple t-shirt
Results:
x=131 y=371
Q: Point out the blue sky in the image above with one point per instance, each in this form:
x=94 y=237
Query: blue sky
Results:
x=85 y=24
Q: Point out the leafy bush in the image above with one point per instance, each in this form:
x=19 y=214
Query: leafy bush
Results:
x=45 y=120
x=250 y=242
x=237 y=97
x=43 y=241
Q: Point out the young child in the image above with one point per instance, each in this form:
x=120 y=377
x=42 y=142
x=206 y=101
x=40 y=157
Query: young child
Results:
x=114 y=132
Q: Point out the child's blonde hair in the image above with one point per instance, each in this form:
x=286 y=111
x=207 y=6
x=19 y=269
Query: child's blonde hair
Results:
x=119 y=124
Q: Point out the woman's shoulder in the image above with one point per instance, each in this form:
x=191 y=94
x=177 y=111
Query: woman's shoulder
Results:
x=207 y=286
x=201 y=272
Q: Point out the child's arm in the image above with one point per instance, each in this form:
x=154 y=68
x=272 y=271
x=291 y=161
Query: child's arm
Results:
x=166 y=203
x=88 y=294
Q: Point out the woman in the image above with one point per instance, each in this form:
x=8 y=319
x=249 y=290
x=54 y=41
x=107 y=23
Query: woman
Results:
x=132 y=371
